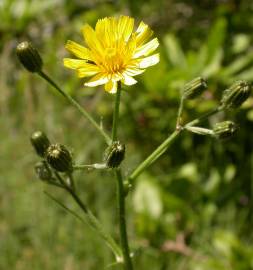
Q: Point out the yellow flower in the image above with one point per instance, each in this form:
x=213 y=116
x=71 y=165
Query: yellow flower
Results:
x=114 y=52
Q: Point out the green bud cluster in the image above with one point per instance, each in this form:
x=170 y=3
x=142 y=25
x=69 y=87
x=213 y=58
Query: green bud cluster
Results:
x=114 y=154
x=29 y=57
x=225 y=130
x=235 y=95
x=59 y=158
x=194 y=88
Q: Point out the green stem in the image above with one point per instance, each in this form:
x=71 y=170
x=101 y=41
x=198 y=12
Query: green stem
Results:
x=75 y=104
x=92 y=220
x=122 y=221
x=179 y=114
x=116 y=113
x=204 y=116
x=98 y=166
x=120 y=190
x=155 y=155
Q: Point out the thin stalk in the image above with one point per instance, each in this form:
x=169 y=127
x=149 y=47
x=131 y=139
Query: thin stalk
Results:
x=98 y=166
x=116 y=113
x=204 y=116
x=154 y=156
x=122 y=221
x=179 y=114
x=78 y=107
x=120 y=190
x=92 y=220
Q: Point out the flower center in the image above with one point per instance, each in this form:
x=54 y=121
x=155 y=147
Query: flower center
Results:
x=113 y=61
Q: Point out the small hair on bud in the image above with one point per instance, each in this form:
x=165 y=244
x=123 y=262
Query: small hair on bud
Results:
x=224 y=130
x=40 y=142
x=114 y=154
x=29 y=56
x=43 y=171
x=235 y=95
x=194 y=88
x=59 y=158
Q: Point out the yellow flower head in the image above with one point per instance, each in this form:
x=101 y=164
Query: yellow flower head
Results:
x=114 y=52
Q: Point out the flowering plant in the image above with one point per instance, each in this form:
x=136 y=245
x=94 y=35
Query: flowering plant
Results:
x=113 y=56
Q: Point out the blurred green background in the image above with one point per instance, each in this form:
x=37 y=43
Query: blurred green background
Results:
x=192 y=210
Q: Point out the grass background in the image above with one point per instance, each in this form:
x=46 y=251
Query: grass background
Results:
x=193 y=208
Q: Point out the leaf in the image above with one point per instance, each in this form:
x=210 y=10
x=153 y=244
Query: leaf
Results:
x=214 y=65
x=238 y=64
x=174 y=51
x=216 y=38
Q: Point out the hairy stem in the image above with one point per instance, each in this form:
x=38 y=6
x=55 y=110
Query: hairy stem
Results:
x=154 y=155
x=122 y=221
x=92 y=220
x=76 y=104
x=120 y=191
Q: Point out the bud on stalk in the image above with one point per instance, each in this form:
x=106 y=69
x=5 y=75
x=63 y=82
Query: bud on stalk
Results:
x=43 y=171
x=40 y=142
x=114 y=154
x=224 y=130
x=235 y=95
x=194 y=88
x=29 y=56
x=59 y=158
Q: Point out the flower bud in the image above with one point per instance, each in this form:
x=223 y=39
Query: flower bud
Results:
x=235 y=95
x=29 y=56
x=114 y=154
x=43 y=171
x=224 y=130
x=194 y=88
x=40 y=142
x=59 y=158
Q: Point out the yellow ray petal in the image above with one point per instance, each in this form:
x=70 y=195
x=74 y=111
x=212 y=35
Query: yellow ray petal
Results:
x=125 y=27
x=143 y=33
x=111 y=87
x=73 y=63
x=149 y=61
x=97 y=80
x=78 y=50
x=102 y=32
x=128 y=80
x=87 y=70
x=147 y=48
x=133 y=71
x=91 y=39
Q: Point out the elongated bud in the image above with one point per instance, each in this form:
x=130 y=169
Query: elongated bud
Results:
x=235 y=95
x=29 y=56
x=114 y=154
x=224 y=130
x=40 y=142
x=194 y=88
x=43 y=171
x=59 y=158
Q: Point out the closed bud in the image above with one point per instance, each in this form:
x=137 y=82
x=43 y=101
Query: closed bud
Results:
x=235 y=95
x=114 y=154
x=224 y=130
x=194 y=88
x=43 y=171
x=40 y=142
x=29 y=56
x=59 y=158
